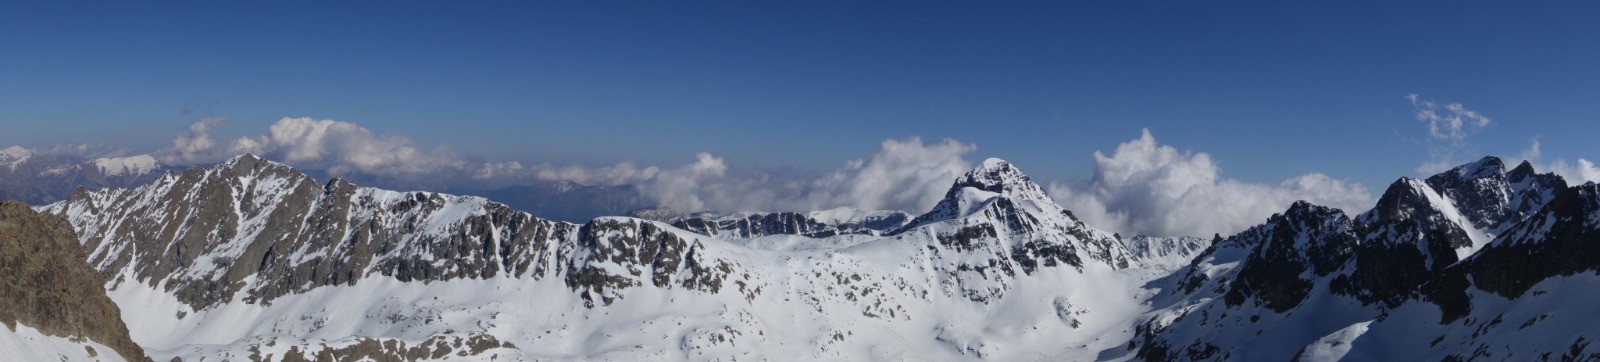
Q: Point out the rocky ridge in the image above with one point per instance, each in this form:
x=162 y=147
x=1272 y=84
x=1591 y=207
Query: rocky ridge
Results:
x=45 y=285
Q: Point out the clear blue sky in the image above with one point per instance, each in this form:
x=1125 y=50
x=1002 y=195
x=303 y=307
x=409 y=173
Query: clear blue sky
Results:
x=1272 y=89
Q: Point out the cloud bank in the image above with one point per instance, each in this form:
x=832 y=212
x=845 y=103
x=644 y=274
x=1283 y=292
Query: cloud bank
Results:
x=903 y=174
x=1147 y=188
x=1143 y=187
x=906 y=175
x=337 y=147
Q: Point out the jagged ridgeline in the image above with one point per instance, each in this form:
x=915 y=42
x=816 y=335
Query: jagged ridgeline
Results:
x=1438 y=270
x=254 y=259
x=50 y=301
x=251 y=259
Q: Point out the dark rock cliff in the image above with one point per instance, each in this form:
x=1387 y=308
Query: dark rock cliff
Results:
x=46 y=284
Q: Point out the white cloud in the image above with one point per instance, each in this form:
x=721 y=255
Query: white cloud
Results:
x=1148 y=188
x=906 y=175
x=1449 y=125
x=498 y=170
x=902 y=175
x=340 y=148
x=194 y=145
x=1533 y=152
x=1575 y=173
x=344 y=147
x=619 y=174
x=696 y=187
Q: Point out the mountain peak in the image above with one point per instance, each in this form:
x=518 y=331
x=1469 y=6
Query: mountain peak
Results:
x=1523 y=169
x=999 y=176
x=16 y=152
x=1399 y=201
x=1488 y=166
x=993 y=179
x=130 y=165
x=251 y=161
x=1303 y=210
x=242 y=158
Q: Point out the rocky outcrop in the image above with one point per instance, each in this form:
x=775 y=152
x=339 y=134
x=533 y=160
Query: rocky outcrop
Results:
x=1413 y=233
x=565 y=200
x=752 y=225
x=255 y=230
x=1315 y=281
x=1493 y=199
x=1293 y=249
x=45 y=283
x=1562 y=239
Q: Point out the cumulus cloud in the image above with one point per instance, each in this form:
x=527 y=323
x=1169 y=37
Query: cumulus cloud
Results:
x=337 y=147
x=901 y=175
x=195 y=144
x=906 y=175
x=1582 y=172
x=619 y=174
x=699 y=186
x=344 y=148
x=1147 y=188
x=1575 y=173
x=1449 y=125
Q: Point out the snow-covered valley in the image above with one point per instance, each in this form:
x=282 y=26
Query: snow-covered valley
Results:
x=254 y=260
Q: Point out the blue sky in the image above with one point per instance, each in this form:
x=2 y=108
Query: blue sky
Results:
x=1269 y=89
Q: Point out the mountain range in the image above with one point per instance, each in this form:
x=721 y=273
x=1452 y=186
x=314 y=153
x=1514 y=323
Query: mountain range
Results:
x=250 y=259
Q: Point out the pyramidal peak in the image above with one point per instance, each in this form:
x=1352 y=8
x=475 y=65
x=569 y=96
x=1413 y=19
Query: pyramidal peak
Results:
x=994 y=180
x=1488 y=166
x=999 y=176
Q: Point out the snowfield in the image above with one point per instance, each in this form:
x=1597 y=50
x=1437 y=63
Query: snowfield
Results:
x=253 y=260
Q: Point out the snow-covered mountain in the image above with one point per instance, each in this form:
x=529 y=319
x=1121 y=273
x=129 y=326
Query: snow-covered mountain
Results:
x=1314 y=284
x=253 y=259
x=1165 y=254
x=41 y=177
x=564 y=200
x=816 y=224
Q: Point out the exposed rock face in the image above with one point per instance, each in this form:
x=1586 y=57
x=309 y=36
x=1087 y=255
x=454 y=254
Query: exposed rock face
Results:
x=812 y=225
x=1561 y=239
x=650 y=253
x=1303 y=243
x=1340 y=274
x=45 y=284
x=1413 y=233
x=253 y=236
x=565 y=200
x=1493 y=199
x=1165 y=253
x=256 y=230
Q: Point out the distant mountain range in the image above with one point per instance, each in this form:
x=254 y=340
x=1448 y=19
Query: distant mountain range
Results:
x=38 y=177
x=252 y=259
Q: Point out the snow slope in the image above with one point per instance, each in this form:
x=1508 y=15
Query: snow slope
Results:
x=251 y=258
x=25 y=343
